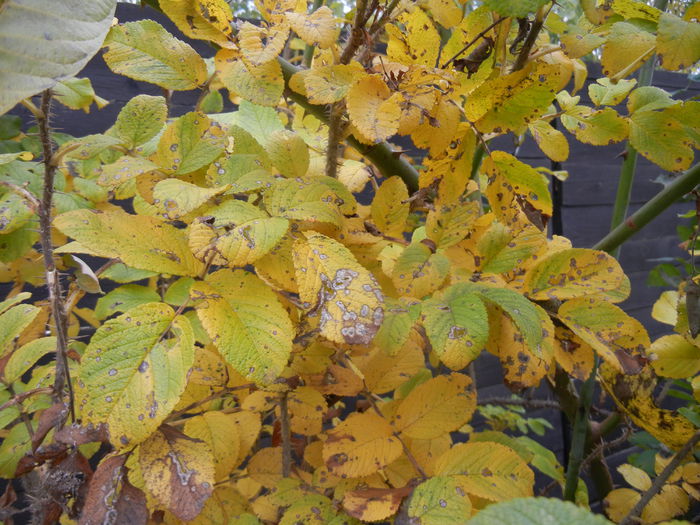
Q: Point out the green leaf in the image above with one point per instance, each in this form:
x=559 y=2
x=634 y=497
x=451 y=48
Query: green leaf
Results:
x=515 y=8
x=399 y=318
x=262 y=84
x=677 y=42
x=247 y=323
x=536 y=511
x=662 y=138
x=44 y=42
x=175 y=197
x=600 y=128
x=259 y=121
x=12 y=301
x=418 y=271
x=134 y=371
x=77 y=93
x=438 y=501
x=141 y=119
x=289 y=153
x=15 y=211
x=248 y=157
x=13 y=322
x=142 y=242
x=605 y=93
x=123 y=299
x=456 y=322
x=26 y=356
x=145 y=51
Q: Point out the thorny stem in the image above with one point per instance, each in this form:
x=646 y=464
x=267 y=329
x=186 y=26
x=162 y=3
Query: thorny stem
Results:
x=18 y=399
x=368 y=395
x=335 y=130
x=286 y=433
x=53 y=282
x=537 y=25
x=660 y=480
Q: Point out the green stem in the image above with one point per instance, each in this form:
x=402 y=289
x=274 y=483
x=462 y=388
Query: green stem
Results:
x=309 y=49
x=629 y=165
x=476 y=164
x=386 y=160
x=652 y=209
x=578 y=440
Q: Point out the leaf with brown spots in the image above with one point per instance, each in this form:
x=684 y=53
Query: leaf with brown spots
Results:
x=202 y=19
x=317 y=29
x=419 y=271
x=614 y=335
x=572 y=353
x=178 y=471
x=220 y=432
x=439 y=500
x=144 y=243
x=576 y=272
x=111 y=498
x=438 y=406
x=360 y=446
x=374 y=504
x=307 y=407
x=334 y=286
x=134 y=371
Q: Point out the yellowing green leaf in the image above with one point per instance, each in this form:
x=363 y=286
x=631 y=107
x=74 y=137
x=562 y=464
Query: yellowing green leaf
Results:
x=551 y=141
x=247 y=323
x=235 y=233
x=438 y=406
x=26 y=356
x=674 y=356
x=354 y=174
x=605 y=93
x=456 y=322
x=317 y=29
x=140 y=120
x=145 y=51
x=15 y=211
x=418 y=271
x=13 y=322
x=575 y=272
x=220 y=433
x=636 y=9
x=600 y=128
x=614 y=335
x=344 y=295
x=373 y=109
x=189 y=143
x=487 y=470
x=439 y=500
x=142 y=242
x=125 y=168
x=390 y=207
x=577 y=43
x=123 y=299
x=134 y=371
x=177 y=471
x=288 y=153
x=548 y=510
x=260 y=45
x=201 y=19
x=77 y=93
x=399 y=318
x=516 y=8
x=261 y=84
x=626 y=49
x=360 y=446
x=677 y=42
x=328 y=84
x=662 y=138
x=304 y=200
x=177 y=197
x=500 y=249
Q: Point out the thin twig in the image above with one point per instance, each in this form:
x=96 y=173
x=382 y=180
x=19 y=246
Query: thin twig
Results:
x=472 y=42
x=660 y=480
x=211 y=397
x=406 y=450
x=602 y=447
x=53 y=281
x=24 y=193
x=19 y=398
x=286 y=433
x=537 y=25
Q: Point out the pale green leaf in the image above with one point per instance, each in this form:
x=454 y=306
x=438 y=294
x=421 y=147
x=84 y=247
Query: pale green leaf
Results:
x=536 y=511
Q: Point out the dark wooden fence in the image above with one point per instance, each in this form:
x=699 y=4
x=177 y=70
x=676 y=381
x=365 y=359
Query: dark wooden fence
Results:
x=586 y=208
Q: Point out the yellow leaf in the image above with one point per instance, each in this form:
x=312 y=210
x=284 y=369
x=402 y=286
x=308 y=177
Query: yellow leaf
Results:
x=145 y=243
x=636 y=477
x=274 y=10
x=626 y=49
x=354 y=174
x=577 y=43
x=418 y=44
x=344 y=295
x=373 y=109
x=678 y=42
x=288 y=153
x=260 y=84
x=487 y=470
x=572 y=353
x=360 y=446
x=671 y=502
x=437 y=132
x=317 y=29
x=636 y=9
x=390 y=208
x=249 y=425
x=619 y=502
x=134 y=370
x=373 y=504
x=674 y=356
x=12 y=323
x=220 y=432
x=145 y=51
x=260 y=45
x=328 y=84
x=178 y=471
x=438 y=406
x=307 y=199
x=201 y=19
x=665 y=308
x=307 y=407
x=265 y=466
x=615 y=336
x=383 y=372
x=576 y=272
x=448 y=224
x=177 y=197
x=600 y=128
x=551 y=141
x=446 y=12
x=663 y=137
x=278 y=269
x=246 y=322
